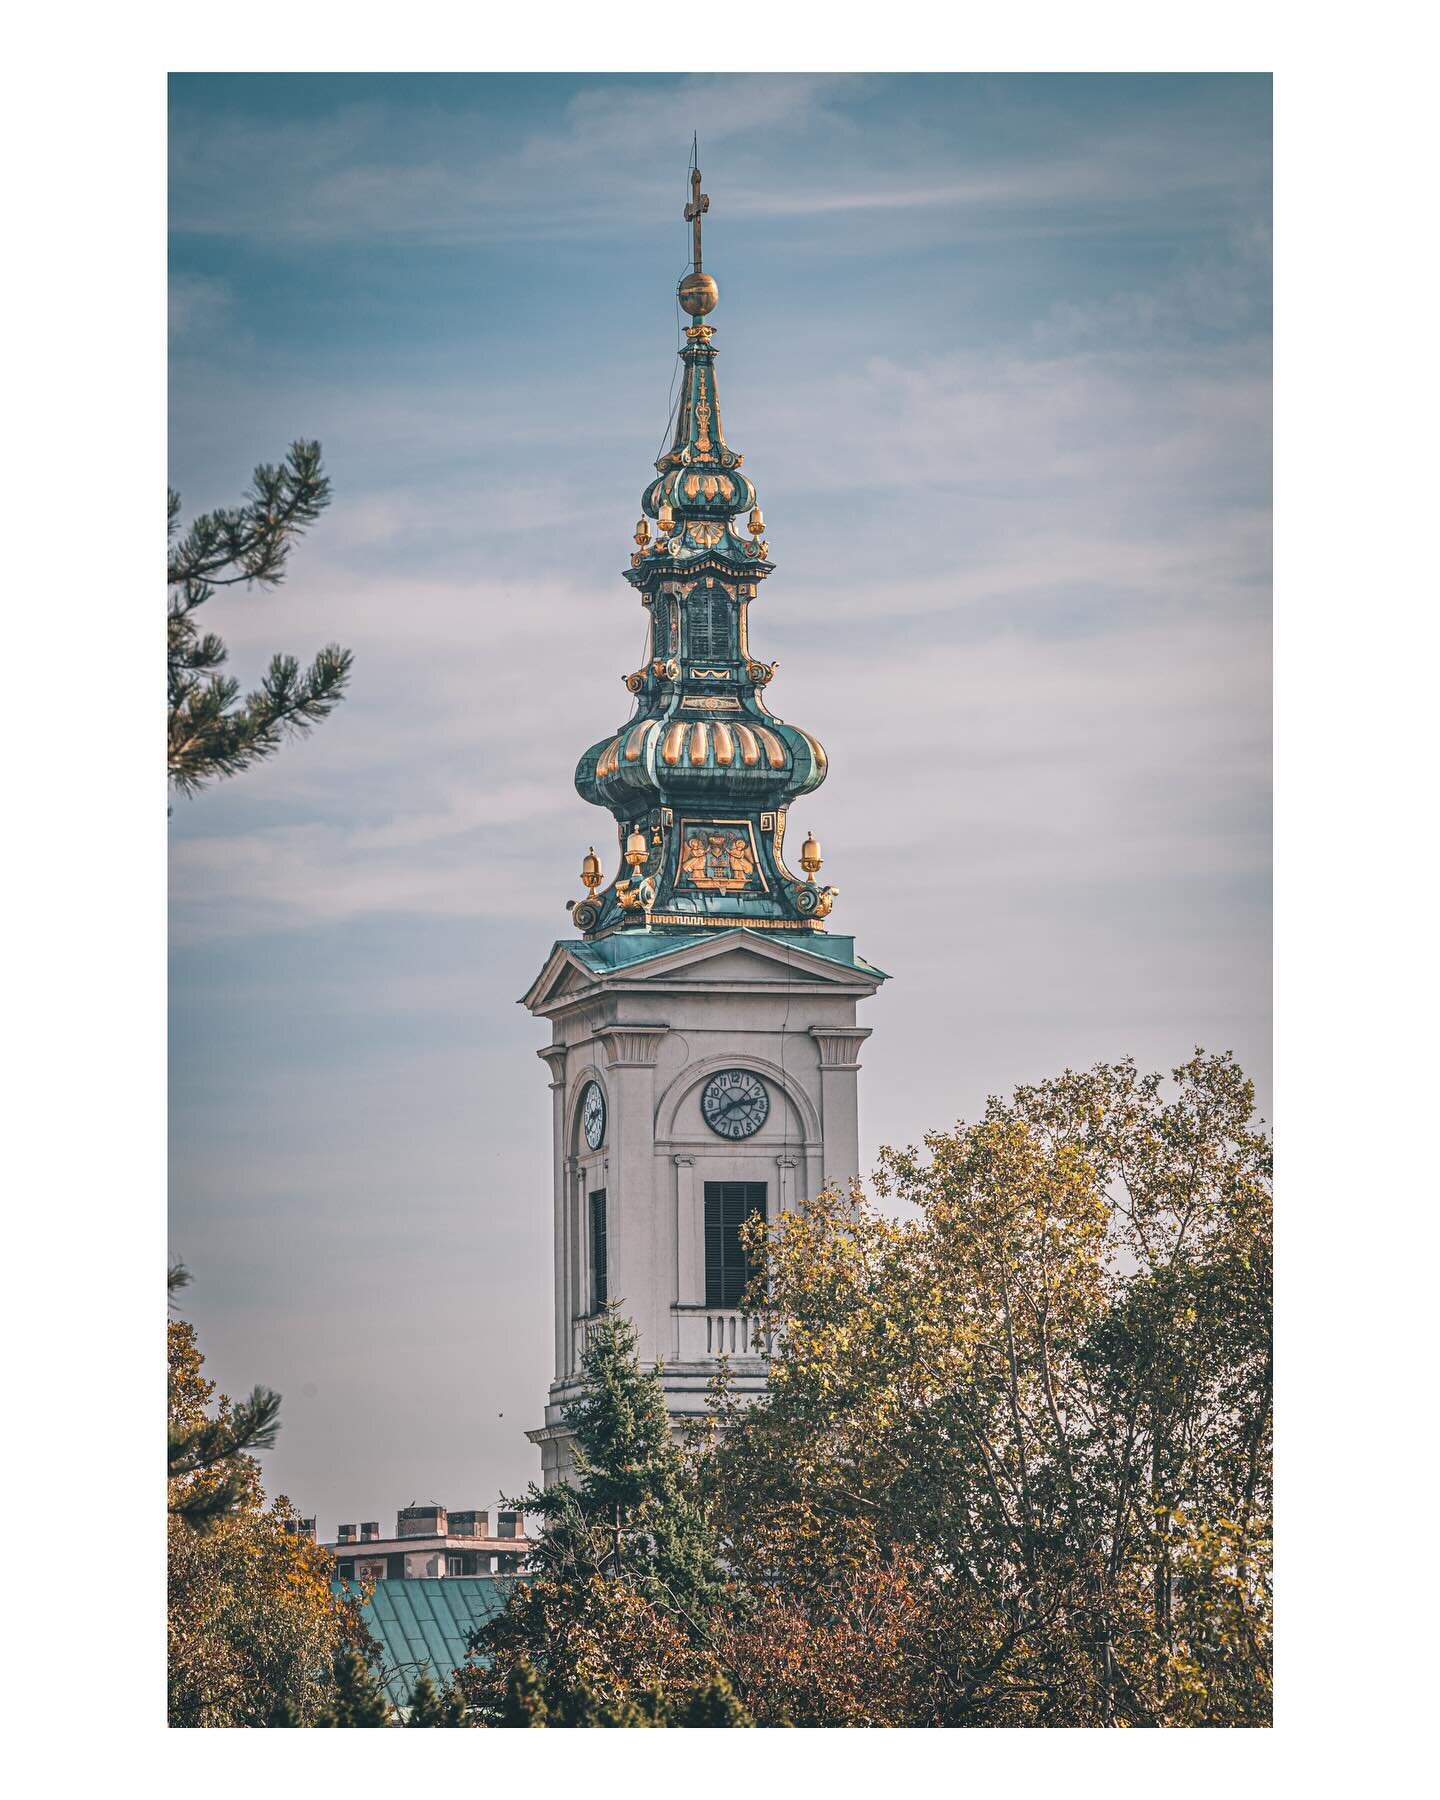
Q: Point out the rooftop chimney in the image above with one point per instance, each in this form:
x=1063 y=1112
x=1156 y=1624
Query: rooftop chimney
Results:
x=421 y=1521
x=370 y=1531
x=347 y=1534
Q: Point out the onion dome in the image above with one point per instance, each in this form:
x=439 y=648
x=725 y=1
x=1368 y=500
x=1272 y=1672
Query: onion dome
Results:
x=702 y=759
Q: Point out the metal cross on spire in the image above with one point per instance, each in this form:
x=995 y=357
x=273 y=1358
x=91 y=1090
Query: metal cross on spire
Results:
x=699 y=204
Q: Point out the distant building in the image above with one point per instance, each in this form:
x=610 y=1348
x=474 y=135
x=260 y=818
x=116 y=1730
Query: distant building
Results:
x=430 y=1544
x=426 y=1626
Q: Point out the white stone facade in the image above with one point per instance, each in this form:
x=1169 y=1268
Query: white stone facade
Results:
x=651 y=1032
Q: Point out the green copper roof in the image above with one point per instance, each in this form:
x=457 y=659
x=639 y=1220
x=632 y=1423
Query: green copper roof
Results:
x=425 y=1624
x=623 y=948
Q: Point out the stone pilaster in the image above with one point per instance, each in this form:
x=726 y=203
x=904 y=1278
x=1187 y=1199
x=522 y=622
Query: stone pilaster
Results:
x=554 y=1056
x=641 y=1253
x=838 y=1048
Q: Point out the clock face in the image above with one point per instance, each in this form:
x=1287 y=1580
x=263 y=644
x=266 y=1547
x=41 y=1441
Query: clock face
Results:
x=735 y=1103
x=592 y=1114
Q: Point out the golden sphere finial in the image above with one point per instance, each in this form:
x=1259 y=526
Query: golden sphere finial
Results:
x=699 y=294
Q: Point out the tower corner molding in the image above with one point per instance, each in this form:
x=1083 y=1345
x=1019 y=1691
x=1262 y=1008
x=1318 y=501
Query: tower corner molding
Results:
x=631 y=1046
x=553 y=1056
x=839 y=1046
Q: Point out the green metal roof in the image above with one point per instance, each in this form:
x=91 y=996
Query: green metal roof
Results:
x=622 y=948
x=424 y=1624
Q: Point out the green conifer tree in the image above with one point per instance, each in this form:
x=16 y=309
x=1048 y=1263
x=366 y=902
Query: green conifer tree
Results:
x=715 y=1705
x=630 y=1513
x=210 y=1472
x=624 y=1579
x=524 y=1704
x=432 y=1707
x=356 y=1696
x=210 y=736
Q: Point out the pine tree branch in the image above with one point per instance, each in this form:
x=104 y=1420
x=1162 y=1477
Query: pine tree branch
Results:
x=253 y=1424
x=209 y=736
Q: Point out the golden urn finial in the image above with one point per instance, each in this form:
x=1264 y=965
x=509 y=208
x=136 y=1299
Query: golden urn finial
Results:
x=636 y=849
x=810 y=858
x=591 y=874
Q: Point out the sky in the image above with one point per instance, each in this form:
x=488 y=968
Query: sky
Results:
x=997 y=352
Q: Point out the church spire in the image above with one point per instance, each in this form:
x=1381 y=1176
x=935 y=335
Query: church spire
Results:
x=700 y=777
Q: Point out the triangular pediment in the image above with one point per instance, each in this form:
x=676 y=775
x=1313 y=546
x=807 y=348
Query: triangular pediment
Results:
x=739 y=962
x=562 y=976
x=739 y=957
x=569 y=980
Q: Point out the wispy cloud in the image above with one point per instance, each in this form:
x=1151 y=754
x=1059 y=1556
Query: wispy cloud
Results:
x=456 y=174
x=198 y=305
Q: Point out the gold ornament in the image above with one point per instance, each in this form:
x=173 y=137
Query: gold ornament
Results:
x=699 y=294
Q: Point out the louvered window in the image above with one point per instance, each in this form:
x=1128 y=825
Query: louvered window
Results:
x=728 y=1204
x=707 y=626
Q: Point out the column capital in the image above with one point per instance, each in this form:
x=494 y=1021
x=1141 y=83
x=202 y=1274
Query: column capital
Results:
x=787 y=1162
x=683 y=1162
x=631 y=1046
x=839 y=1045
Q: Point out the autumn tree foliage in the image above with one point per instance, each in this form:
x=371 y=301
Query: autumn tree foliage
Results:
x=1022 y=1438
x=254 y=1628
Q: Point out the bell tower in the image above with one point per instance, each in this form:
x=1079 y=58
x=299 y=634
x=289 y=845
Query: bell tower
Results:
x=704 y=1050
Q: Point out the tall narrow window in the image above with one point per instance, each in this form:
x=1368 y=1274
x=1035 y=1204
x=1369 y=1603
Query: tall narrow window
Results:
x=728 y=1204
x=599 y=1259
